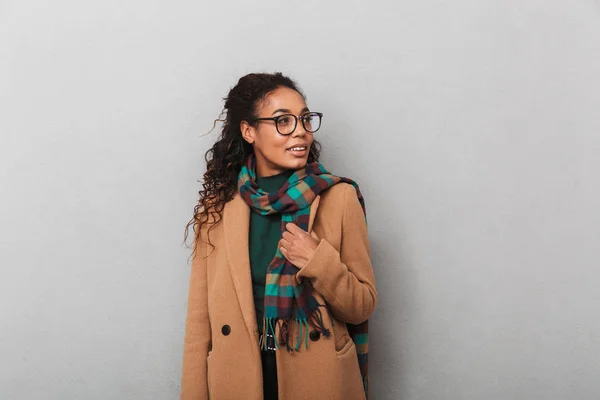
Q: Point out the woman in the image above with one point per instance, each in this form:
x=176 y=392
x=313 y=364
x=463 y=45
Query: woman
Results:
x=281 y=285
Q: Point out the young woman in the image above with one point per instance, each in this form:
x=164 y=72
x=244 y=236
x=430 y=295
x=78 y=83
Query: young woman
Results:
x=281 y=285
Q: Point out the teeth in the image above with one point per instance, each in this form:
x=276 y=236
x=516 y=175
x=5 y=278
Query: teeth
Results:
x=298 y=148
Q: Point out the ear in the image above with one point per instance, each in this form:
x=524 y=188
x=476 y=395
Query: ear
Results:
x=248 y=132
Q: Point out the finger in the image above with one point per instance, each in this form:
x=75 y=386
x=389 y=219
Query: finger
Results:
x=313 y=234
x=287 y=236
x=290 y=226
x=284 y=251
x=284 y=243
x=296 y=230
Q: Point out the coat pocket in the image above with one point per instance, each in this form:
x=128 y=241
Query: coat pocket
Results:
x=343 y=345
x=350 y=380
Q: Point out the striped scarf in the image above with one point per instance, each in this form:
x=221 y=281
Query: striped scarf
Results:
x=290 y=305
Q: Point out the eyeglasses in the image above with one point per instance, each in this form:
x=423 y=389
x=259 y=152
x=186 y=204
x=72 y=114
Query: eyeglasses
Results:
x=286 y=123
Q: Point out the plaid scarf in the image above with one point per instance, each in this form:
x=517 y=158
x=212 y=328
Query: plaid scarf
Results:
x=289 y=305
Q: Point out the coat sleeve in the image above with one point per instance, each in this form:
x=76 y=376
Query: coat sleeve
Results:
x=345 y=279
x=197 y=332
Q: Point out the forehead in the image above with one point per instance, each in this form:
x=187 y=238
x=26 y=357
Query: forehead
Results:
x=282 y=98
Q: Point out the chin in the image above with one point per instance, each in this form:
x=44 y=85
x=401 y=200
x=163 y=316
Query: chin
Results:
x=296 y=164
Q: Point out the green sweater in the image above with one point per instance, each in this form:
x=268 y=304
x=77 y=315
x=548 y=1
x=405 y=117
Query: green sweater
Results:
x=265 y=233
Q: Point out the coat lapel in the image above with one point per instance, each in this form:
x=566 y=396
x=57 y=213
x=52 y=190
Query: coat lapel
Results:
x=236 y=220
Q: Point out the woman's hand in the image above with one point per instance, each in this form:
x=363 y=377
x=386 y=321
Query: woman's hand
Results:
x=297 y=245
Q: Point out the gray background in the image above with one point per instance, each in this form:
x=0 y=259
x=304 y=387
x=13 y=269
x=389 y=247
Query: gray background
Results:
x=472 y=128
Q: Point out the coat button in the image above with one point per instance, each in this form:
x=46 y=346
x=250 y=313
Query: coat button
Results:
x=225 y=330
x=314 y=335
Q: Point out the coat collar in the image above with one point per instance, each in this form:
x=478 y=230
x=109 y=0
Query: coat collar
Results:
x=236 y=220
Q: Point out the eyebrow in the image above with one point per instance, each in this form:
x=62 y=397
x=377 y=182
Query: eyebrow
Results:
x=285 y=110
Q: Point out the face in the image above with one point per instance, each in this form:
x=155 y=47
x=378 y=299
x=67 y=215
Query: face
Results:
x=273 y=150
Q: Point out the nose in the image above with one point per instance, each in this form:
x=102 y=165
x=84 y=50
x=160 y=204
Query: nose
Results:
x=299 y=129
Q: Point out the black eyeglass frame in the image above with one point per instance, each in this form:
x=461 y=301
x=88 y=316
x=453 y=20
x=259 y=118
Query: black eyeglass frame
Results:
x=320 y=114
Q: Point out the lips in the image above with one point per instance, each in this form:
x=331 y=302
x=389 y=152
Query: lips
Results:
x=305 y=145
x=298 y=153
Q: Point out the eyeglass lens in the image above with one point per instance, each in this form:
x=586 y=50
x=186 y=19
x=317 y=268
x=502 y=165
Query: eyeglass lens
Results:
x=286 y=124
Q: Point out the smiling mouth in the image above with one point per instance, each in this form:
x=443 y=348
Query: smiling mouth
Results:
x=297 y=148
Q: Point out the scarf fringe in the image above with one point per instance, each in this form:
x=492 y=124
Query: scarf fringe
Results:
x=297 y=329
x=316 y=318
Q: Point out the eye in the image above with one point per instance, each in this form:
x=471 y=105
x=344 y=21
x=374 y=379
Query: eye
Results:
x=284 y=120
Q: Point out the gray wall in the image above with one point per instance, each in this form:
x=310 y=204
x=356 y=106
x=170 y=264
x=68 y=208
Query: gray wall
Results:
x=471 y=126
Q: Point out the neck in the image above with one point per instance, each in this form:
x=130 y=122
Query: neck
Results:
x=264 y=171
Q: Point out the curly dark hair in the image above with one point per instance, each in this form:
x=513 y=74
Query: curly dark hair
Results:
x=224 y=160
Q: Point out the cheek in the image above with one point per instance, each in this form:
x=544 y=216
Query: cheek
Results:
x=272 y=142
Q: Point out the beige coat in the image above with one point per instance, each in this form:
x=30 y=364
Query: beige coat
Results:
x=221 y=359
